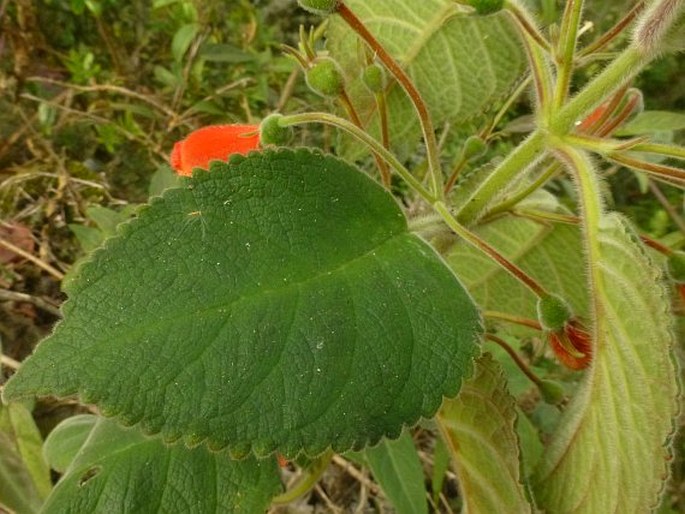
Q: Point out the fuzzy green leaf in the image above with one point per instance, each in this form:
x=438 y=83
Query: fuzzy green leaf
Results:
x=612 y=449
x=479 y=428
x=121 y=470
x=460 y=64
x=277 y=303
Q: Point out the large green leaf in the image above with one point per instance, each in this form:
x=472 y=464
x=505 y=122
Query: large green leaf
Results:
x=276 y=303
x=549 y=253
x=479 y=428
x=612 y=450
x=121 y=470
x=397 y=468
x=24 y=475
x=461 y=64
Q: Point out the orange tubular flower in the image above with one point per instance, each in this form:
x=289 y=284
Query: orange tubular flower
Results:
x=572 y=345
x=213 y=143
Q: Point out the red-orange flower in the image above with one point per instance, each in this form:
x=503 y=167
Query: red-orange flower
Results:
x=592 y=118
x=212 y=143
x=572 y=345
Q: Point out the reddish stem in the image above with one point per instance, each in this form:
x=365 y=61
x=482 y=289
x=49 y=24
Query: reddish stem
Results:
x=614 y=31
x=516 y=358
x=403 y=79
x=656 y=245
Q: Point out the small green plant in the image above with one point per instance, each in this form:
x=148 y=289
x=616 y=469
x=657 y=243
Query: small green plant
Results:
x=285 y=303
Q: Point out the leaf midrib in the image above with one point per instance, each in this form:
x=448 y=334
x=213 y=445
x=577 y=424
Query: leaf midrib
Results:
x=184 y=314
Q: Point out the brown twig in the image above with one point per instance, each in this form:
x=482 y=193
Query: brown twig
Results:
x=35 y=260
x=347 y=466
x=9 y=362
x=406 y=83
x=108 y=88
x=14 y=296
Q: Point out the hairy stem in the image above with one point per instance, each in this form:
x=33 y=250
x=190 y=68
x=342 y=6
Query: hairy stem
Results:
x=406 y=83
x=537 y=58
x=354 y=116
x=361 y=135
x=540 y=181
x=526 y=154
x=614 y=31
x=566 y=49
x=511 y=318
x=490 y=251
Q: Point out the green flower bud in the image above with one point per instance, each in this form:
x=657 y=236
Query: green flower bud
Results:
x=325 y=77
x=484 y=7
x=553 y=313
x=320 y=7
x=676 y=266
x=552 y=392
x=374 y=78
x=474 y=147
x=272 y=133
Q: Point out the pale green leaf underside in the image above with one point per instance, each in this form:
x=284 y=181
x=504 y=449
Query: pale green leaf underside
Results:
x=461 y=64
x=66 y=439
x=612 y=450
x=479 y=427
x=549 y=253
x=397 y=468
x=276 y=303
x=24 y=475
x=120 y=470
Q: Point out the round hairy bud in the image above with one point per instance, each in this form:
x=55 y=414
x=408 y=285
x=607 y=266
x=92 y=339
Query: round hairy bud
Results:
x=553 y=312
x=320 y=7
x=552 y=392
x=272 y=133
x=374 y=78
x=474 y=147
x=325 y=77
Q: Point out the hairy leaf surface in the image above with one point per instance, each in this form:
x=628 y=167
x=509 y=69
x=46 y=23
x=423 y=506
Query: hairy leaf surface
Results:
x=461 y=64
x=612 y=450
x=277 y=303
x=479 y=427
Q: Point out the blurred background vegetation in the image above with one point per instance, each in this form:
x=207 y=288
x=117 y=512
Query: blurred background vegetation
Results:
x=93 y=94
